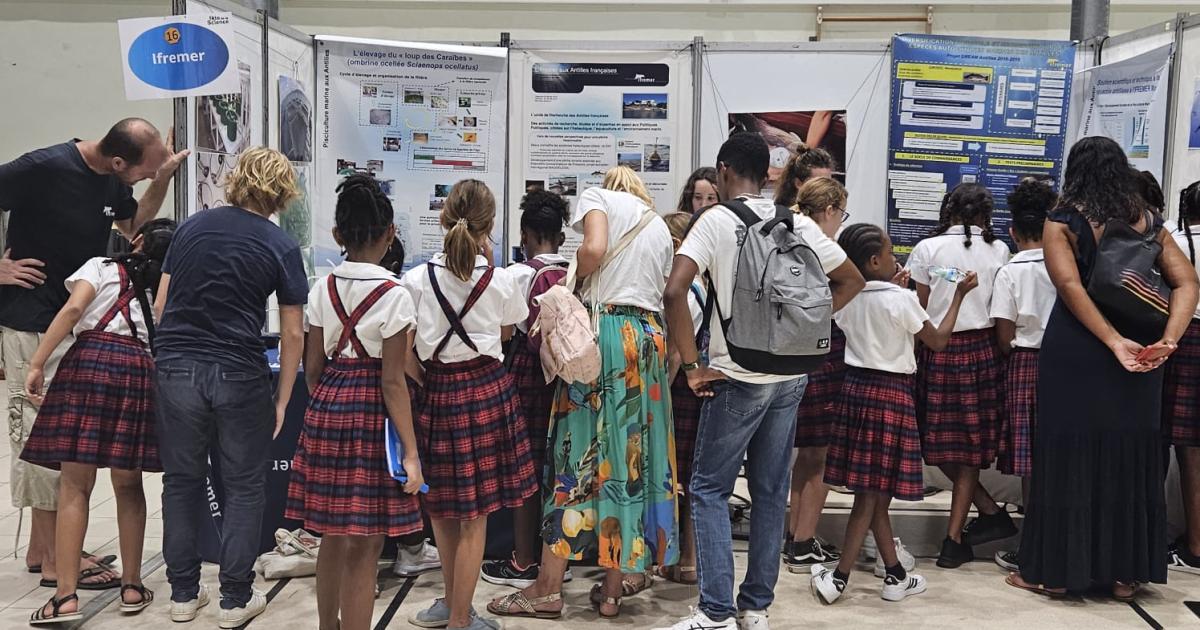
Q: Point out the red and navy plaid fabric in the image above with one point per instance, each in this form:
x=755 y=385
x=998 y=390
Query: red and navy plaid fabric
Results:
x=958 y=396
x=99 y=408
x=1020 y=413
x=340 y=483
x=875 y=445
x=685 y=407
x=814 y=417
x=474 y=445
x=536 y=398
x=1181 y=391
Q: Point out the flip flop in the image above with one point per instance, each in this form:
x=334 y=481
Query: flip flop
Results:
x=105 y=560
x=1040 y=590
x=39 y=616
x=136 y=607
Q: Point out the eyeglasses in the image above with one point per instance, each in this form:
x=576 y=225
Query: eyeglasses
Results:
x=845 y=215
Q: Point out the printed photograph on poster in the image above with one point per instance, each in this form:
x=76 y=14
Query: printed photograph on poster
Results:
x=657 y=157
x=1194 y=125
x=439 y=101
x=391 y=144
x=296 y=219
x=295 y=121
x=564 y=185
x=223 y=120
x=639 y=105
x=212 y=173
x=630 y=160
x=785 y=131
x=414 y=96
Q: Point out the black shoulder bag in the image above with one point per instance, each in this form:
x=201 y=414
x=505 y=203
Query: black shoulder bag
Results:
x=1126 y=282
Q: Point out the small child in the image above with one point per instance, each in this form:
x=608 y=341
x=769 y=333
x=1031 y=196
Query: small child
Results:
x=471 y=431
x=876 y=450
x=543 y=216
x=958 y=390
x=1021 y=303
x=354 y=363
x=99 y=412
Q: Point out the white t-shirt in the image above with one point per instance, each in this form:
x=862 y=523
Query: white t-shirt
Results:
x=1182 y=239
x=1024 y=294
x=523 y=275
x=638 y=275
x=713 y=244
x=946 y=250
x=105 y=278
x=390 y=316
x=696 y=306
x=880 y=324
x=502 y=304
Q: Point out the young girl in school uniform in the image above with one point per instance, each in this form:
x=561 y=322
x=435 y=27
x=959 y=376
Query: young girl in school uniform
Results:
x=355 y=355
x=1022 y=299
x=875 y=449
x=543 y=216
x=471 y=431
x=958 y=389
x=99 y=411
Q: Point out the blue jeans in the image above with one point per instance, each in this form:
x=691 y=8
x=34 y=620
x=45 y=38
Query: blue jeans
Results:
x=756 y=423
x=203 y=405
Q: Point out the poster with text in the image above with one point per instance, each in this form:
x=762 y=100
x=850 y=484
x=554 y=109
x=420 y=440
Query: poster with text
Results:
x=417 y=117
x=969 y=109
x=784 y=132
x=1194 y=124
x=582 y=118
x=1127 y=101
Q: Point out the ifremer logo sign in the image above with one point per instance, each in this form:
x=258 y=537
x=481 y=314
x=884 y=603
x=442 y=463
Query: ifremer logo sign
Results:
x=178 y=56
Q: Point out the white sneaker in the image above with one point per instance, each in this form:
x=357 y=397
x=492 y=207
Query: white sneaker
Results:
x=414 y=562
x=895 y=590
x=825 y=587
x=237 y=617
x=700 y=621
x=183 y=612
x=907 y=560
x=753 y=620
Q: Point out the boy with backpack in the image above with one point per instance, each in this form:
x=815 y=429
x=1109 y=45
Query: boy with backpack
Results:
x=775 y=279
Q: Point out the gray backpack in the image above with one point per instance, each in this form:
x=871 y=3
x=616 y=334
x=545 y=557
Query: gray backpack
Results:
x=782 y=304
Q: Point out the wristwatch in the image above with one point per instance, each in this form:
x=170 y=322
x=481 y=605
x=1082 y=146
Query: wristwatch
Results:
x=688 y=367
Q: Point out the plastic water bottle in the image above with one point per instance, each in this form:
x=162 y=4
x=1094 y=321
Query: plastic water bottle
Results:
x=949 y=274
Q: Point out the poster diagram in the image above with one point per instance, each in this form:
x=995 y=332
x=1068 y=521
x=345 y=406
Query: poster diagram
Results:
x=223 y=128
x=1127 y=101
x=416 y=117
x=295 y=120
x=785 y=131
x=969 y=109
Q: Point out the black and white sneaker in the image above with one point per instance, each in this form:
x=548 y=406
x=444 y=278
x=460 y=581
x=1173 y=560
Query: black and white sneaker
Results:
x=1179 y=559
x=825 y=585
x=507 y=573
x=1008 y=560
x=954 y=554
x=896 y=589
x=808 y=553
x=986 y=528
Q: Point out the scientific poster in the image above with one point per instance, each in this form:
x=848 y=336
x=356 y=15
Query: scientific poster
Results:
x=418 y=118
x=971 y=109
x=784 y=131
x=1127 y=101
x=224 y=128
x=1194 y=124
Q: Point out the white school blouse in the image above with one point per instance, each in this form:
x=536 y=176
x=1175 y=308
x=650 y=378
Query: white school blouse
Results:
x=1181 y=238
x=502 y=304
x=390 y=316
x=523 y=275
x=638 y=275
x=1025 y=295
x=947 y=250
x=105 y=278
x=880 y=324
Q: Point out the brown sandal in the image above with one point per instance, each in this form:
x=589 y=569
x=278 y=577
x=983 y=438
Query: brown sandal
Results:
x=1016 y=581
x=676 y=573
x=526 y=607
x=596 y=596
x=1125 y=598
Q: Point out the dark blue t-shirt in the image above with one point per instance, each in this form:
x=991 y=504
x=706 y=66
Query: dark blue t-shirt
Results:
x=224 y=263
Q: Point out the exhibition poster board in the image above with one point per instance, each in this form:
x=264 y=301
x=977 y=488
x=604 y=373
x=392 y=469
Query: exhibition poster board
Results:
x=290 y=78
x=1184 y=154
x=970 y=109
x=419 y=118
x=1127 y=101
x=178 y=55
x=581 y=114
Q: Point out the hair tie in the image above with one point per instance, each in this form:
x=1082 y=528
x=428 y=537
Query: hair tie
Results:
x=463 y=222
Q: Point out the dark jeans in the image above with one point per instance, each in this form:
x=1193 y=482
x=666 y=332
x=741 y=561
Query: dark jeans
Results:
x=202 y=405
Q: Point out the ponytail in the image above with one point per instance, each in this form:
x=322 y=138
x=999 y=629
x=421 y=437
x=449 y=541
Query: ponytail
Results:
x=1189 y=211
x=144 y=267
x=467 y=217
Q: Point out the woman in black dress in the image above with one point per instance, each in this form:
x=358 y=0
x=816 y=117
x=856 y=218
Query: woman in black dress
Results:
x=1097 y=513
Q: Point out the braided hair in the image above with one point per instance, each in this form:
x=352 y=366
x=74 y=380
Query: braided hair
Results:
x=861 y=241
x=144 y=267
x=363 y=212
x=799 y=169
x=970 y=205
x=544 y=214
x=1189 y=212
x=1029 y=203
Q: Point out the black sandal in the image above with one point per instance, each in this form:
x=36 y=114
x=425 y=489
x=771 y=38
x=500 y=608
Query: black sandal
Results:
x=136 y=607
x=39 y=616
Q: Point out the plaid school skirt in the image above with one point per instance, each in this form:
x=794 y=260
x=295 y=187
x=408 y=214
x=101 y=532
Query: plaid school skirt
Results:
x=685 y=407
x=474 y=445
x=536 y=398
x=958 y=400
x=99 y=408
x=875 y=445
x=340 y=484
x=814 y=418
x=1181 y=391
x=1020 y=413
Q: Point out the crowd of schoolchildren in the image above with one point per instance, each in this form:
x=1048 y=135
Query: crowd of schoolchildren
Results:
x=934 y=362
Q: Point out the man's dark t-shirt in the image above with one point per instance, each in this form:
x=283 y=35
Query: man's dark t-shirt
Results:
x=61 y=213
x=224 y=263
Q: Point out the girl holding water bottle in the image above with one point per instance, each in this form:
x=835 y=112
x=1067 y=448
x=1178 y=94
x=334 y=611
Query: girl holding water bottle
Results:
x=958 y=388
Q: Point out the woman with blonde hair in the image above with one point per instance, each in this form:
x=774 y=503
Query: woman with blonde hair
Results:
x=612 y=460
x=213 y=383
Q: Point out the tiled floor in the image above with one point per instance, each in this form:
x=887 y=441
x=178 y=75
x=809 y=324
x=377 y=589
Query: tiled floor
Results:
x=972 y=596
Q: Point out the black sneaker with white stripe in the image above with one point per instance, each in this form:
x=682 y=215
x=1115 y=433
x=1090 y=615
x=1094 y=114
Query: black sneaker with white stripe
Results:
x=896 y=589
x=1008 y=560
x=1179 y=559
x=803 y=554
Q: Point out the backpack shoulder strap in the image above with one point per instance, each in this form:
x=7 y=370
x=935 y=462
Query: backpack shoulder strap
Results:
x=742 y=211
x=455 y=319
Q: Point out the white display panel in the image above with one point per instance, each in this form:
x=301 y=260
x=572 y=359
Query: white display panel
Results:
x=1185 y=160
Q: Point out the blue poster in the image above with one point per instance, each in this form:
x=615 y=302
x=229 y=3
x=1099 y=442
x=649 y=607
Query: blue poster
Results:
x=971 y=109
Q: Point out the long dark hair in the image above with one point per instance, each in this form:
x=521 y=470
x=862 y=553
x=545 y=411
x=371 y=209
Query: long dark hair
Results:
x=1100 y=184
x=706 y=173
x=800 y=168
x=1189 y=211
x=970 y=205
x=144 y=267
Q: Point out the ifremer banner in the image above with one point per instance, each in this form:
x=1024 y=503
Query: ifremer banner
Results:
x=180 y=55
